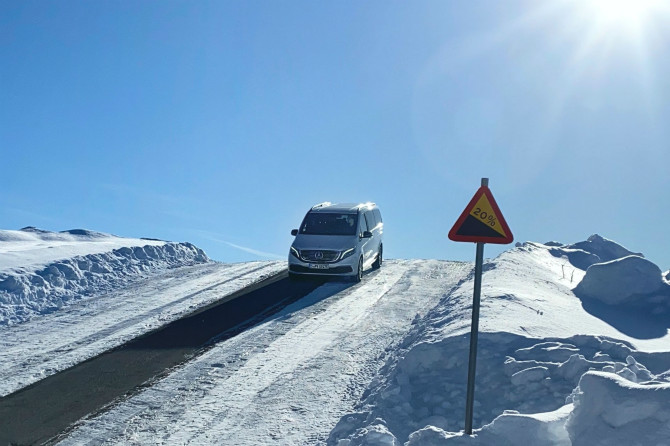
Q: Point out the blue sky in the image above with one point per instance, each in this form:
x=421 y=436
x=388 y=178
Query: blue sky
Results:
x=222 y=122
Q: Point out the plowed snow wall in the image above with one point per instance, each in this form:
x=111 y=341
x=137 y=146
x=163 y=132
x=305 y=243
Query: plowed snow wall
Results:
x=24 y=295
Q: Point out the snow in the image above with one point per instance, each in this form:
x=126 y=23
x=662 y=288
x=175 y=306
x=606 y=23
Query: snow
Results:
x=605 y=249
x=608 y=406
x=536 y=342
x=572 y=351
x=429 y=381
x=289 y=379
x=509 y=429
x=43 y=271
x=55 y=341
x=54 y=315
x=625 y=281
x=31 y=248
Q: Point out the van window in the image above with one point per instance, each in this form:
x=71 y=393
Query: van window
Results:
x=369 y=223
x=378 y=215
x=370 y=218
x=322 y=223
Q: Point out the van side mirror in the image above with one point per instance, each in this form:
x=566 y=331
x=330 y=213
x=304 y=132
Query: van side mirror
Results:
x=294 y=232
x=367 y=234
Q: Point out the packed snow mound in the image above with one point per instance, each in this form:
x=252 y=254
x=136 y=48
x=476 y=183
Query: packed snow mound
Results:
x=39 y=273
x=509 y=429
x=577 y=257
x=605 y=249
x=631 y=280
x=375 y=434
x=596 y=249
x=30 y=248
x=521 y=382
x=604 y=409
x=536 y=341
x=85 y=233
x=608 y=406
x=550 y=243
x=33 y=233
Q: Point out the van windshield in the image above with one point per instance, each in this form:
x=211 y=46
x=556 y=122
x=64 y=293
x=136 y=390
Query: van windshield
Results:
x=321 y=223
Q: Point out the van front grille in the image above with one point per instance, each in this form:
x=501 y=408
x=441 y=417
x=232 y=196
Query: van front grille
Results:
x=315 y=255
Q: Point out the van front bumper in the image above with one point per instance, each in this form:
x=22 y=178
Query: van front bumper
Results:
x=345 y=267
x=331 y=270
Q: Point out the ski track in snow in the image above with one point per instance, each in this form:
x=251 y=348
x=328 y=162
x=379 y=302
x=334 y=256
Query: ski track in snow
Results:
x=288 y=379
x=50 y=343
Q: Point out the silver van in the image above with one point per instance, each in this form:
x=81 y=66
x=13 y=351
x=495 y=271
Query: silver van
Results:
x=337 y=240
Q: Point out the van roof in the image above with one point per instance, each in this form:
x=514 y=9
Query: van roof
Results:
x=341 y=207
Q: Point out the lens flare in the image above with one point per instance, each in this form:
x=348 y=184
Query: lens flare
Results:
x=623 y=11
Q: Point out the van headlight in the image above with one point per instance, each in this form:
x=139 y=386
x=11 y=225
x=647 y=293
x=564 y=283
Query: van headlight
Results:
x=295 y=253
x=349 y=252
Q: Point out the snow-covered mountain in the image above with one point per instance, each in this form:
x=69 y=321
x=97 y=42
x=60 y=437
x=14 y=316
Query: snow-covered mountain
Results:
x=574 y=346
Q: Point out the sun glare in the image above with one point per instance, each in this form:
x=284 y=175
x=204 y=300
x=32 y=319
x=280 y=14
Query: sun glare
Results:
x=604 y=43
x=616 y=25
x=624 y=12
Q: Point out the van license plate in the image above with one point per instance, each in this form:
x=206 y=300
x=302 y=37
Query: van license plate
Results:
x=318 y=266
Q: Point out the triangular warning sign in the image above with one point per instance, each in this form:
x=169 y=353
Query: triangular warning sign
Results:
x=482 y=221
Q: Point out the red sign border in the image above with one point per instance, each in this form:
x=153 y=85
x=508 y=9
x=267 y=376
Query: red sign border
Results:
x=483 y=190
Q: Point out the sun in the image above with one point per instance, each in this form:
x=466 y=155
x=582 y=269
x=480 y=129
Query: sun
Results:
x=624 y=13
x=608 y=27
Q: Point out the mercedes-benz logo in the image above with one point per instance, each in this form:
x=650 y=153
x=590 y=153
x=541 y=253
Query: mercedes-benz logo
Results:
x=318 y=255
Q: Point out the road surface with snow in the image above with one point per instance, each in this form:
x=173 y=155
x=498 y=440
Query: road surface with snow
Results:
x=574 y=349
x=289 y=379
x=42 y=346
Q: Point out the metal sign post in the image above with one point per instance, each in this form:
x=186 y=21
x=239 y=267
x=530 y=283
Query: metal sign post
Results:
x=481 y=222
x=474 y=334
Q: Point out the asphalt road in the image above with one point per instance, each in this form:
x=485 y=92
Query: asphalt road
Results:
x=40 y=413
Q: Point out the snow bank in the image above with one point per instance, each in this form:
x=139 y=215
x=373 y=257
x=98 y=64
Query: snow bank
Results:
x=605 y=249
x=521 y=383
x=31 y=233
x=509 y=429
x=606 y=409
x=37 y=284
x=32 y=248
x=629 y=280
x=577 y=257
x=375 y=434
x=536 y=342
x=596 y=249
x=616 y=281
x=608 y=406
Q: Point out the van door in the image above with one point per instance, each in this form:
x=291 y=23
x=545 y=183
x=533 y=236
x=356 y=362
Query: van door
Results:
x=368 y=222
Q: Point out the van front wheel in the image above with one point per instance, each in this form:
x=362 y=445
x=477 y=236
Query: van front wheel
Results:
x=378 y=262
x=359 y=273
